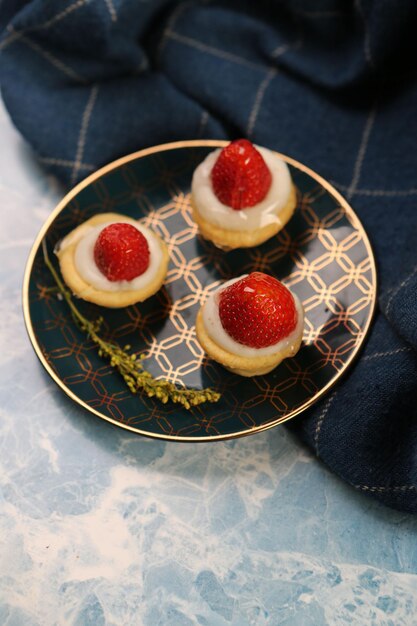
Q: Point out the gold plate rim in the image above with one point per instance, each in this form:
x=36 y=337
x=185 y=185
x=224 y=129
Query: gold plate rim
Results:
x=192 y=143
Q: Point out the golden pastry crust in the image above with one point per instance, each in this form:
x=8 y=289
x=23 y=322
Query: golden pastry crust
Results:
x=242 y=365
x=111 y=299
x=232 y=239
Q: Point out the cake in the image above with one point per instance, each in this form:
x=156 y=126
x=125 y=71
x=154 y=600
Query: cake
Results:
x=250 y=324
x=242 y=195
x=113 y=260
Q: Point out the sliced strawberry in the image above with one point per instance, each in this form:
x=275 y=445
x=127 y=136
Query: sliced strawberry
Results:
x=257 y=310
x=121 y=252
x=240 y=176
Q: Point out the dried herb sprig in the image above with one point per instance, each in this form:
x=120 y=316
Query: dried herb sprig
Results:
x=129 y=365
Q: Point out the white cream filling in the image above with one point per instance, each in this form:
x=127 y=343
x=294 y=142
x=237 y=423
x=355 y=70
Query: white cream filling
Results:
x=258 y=216
x=88 y=270
x=215 y=330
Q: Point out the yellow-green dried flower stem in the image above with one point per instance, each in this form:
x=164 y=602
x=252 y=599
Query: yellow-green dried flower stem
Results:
x=130 y=365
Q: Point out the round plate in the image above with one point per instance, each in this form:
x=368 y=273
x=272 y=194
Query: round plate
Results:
x=324 y=256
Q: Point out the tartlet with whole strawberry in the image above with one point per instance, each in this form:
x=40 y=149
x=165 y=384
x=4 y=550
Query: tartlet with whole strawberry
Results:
x=251 y=324
x=113 y=261
x=242 y=195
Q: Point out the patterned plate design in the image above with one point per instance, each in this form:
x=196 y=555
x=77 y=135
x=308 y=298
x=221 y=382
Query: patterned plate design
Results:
x=323 y=255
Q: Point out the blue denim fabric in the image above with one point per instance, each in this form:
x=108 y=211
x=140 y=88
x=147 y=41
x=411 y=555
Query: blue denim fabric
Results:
x=331 y=83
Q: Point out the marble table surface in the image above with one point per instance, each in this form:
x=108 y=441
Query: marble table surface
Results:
x=100 y=526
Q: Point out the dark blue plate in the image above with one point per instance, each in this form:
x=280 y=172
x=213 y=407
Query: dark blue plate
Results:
x=323 y=255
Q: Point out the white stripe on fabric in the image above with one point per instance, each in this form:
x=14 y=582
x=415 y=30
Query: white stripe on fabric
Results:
x=321 y=419
x=361 y=152
x=59 y=65
x=258 y=101
x=66 y=163
x=17 y=34
x=380 y=355
x=366 y=33
x=83 y=132
x=112 y=10
x=222 y=54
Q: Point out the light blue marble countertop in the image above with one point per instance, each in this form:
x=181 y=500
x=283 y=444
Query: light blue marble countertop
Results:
x=100 y=526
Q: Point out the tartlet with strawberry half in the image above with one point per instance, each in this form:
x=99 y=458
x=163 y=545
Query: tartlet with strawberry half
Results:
x=251 y=324
x=242 y=195
x=113 y=261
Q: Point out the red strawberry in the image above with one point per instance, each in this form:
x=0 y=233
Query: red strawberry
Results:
x=257 y=310
x=240 y=176
x=121 y=252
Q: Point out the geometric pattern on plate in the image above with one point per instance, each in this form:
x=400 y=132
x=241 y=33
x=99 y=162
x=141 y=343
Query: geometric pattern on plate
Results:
x=323 y=255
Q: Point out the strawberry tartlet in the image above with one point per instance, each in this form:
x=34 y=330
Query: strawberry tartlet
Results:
x=112 y=260
x=250 y=324
x=242 y=195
